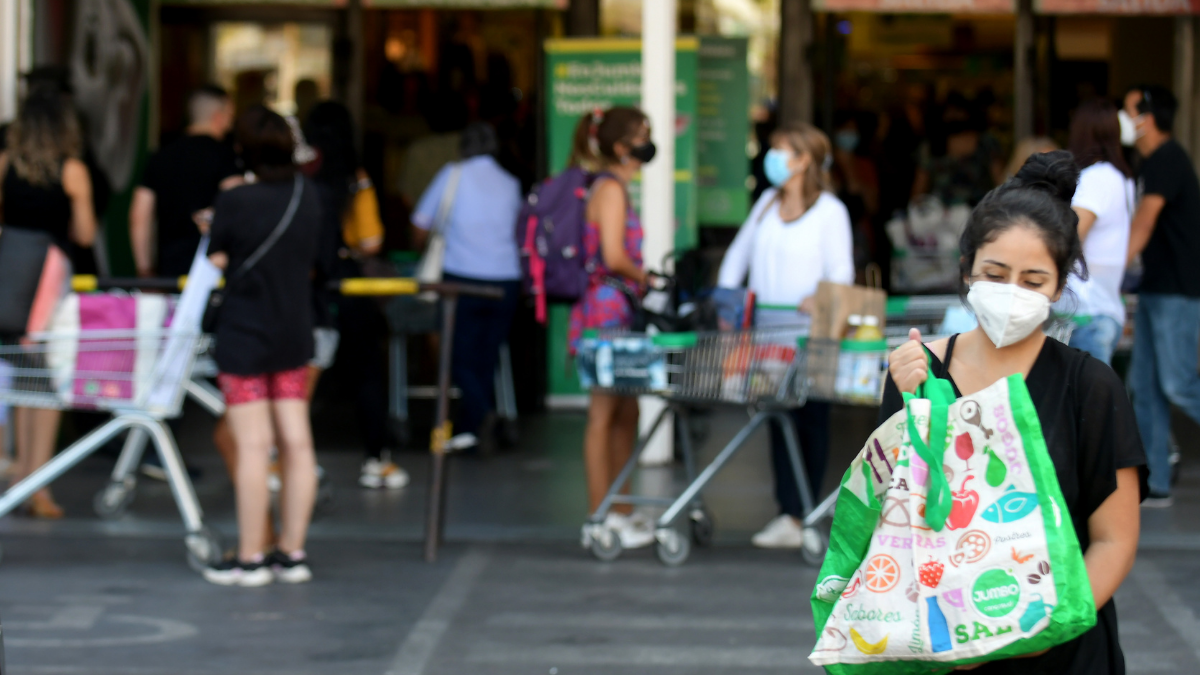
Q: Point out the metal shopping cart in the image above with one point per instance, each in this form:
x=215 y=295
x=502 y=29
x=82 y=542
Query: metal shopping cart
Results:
x=764 y=369
x=140 y=376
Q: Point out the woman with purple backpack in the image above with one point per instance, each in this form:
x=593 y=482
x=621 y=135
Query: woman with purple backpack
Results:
x=613 y=145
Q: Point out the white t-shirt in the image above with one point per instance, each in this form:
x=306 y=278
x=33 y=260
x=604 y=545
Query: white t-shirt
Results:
x=1104 y=191
x=786 y=261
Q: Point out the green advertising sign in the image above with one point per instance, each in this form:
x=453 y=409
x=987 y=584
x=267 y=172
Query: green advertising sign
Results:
x=588 y=73
x=723 y=121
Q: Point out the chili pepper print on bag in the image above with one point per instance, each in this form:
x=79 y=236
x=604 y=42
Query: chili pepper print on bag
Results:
x=949 y=545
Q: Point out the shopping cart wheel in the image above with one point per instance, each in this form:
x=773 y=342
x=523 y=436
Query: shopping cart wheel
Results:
x=674 y=547
x=603 y=542
x=113 y=499
x=203 y=548
x=702 y=526
x=813 y=548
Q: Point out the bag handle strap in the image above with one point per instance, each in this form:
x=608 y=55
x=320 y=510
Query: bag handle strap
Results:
x=940 y=394
x=448 y=194
x=284 y=223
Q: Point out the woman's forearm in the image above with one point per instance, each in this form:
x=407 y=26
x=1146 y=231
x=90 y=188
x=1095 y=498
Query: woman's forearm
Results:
x=1108 y=563
x=622 y=265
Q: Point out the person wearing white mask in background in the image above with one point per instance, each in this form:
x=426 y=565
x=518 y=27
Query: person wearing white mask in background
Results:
x=1018 y=247
x=1166 y=232
x=797 y=235
x=1104 y=203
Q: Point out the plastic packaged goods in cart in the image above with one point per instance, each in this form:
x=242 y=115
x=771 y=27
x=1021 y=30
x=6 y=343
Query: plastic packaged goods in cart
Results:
x=635 y=361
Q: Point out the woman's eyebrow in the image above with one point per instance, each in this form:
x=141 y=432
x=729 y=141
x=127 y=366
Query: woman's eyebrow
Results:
x=1035 y=271
x=997 y=263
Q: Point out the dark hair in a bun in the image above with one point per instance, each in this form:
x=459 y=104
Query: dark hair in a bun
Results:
x=1039 y=196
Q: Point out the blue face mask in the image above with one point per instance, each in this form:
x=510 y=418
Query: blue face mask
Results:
x=775 y=166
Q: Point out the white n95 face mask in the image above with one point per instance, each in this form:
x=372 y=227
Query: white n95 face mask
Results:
x=1129 y=130
x=1007 y=313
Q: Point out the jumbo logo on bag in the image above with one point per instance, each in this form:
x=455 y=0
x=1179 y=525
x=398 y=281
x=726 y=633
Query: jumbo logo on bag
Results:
x=968 y=586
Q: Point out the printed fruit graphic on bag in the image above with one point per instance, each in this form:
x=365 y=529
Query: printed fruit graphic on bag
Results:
x=866 y=647
x=930 y=574
x=882 y=574
x=965 y=503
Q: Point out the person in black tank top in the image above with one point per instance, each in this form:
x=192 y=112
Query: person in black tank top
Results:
x=44 y=187
x=1016 y=252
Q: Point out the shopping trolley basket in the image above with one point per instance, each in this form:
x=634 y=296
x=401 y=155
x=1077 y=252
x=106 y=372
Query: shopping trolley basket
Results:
x=138 y=376
x=763 y=369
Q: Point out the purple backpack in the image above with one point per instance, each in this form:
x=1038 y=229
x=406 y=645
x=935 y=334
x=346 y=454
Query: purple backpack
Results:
x=550 y=234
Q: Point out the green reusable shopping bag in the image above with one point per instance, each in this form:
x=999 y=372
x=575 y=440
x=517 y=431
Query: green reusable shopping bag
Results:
x=951 y=542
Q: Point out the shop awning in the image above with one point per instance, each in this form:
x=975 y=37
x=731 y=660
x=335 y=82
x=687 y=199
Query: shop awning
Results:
x=1134 y=7
x=921 y=6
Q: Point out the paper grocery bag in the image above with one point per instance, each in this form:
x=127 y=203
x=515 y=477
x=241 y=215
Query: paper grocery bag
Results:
x=835 y=303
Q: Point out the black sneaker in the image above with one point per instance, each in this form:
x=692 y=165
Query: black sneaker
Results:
x=288 y=568
x=234 y=572
x=1156 y=500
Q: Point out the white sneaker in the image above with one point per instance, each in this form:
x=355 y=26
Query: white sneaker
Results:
x=377 y=473
x=633 y=534
x=233 y=572
x=782 y=532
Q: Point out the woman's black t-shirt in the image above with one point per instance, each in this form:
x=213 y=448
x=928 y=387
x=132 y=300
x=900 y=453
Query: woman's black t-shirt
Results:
x=265 y=324
x=1091 y=432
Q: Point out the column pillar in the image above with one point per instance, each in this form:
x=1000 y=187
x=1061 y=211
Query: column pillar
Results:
x=658 y=177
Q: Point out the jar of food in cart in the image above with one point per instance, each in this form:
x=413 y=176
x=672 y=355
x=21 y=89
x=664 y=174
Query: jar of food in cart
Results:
x=869 y=358
x=844 y=384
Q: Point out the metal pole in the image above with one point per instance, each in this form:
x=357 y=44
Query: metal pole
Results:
x=1184 y=80
x=441 y=434
x=795 y=90
x=1023 y=57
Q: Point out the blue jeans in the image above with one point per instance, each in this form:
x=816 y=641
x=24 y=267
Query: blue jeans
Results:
x=1098 y=338
x=1163 y=372
x=480 y=326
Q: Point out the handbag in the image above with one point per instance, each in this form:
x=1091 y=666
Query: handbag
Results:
x=429 y=269
x=33 y=278
x=952 y=543
x=217 y=298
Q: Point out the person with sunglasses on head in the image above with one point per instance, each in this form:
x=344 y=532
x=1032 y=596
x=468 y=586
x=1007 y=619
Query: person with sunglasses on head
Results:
x=1166 y=233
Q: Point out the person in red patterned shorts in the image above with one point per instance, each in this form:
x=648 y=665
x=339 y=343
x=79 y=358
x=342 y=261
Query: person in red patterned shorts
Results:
x=264 y=236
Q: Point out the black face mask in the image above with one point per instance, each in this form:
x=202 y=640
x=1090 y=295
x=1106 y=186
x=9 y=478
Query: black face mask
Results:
x=644 y=152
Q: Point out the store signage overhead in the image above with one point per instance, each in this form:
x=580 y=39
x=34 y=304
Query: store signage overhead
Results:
x=929 y=6
x=1148 y=7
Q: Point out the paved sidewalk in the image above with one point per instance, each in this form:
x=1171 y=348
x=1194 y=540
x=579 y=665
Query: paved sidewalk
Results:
x=513 y=592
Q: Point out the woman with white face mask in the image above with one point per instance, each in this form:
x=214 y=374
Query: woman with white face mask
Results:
x=797 y=235
x=1019 y=245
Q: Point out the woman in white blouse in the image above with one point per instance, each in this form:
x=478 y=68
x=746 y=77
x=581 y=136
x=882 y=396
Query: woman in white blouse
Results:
x=797 y=235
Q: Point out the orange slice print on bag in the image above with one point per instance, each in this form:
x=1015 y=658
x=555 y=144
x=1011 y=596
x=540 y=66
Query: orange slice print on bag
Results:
x=882 y=574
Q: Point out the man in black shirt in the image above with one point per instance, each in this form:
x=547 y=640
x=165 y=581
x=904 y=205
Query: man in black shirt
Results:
x=182 y=180
x=1166 y=232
